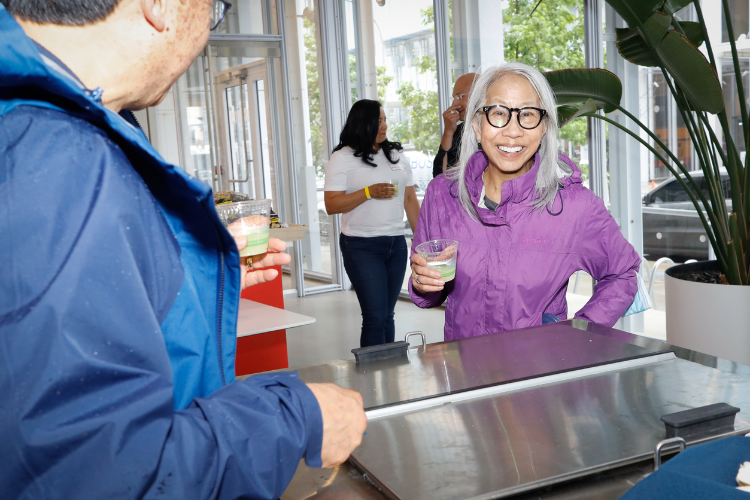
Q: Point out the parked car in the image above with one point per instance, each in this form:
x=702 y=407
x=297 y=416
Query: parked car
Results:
x=671 y=226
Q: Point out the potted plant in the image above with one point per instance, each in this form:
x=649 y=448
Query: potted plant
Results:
x=712 y=317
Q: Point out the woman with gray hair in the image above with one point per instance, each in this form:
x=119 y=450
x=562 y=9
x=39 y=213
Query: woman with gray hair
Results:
x=522 y=218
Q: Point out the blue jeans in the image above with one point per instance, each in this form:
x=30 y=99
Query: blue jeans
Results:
x=549 y=318
x=376 y=269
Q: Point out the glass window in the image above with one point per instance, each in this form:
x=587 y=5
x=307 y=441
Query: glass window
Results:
x=249 y=17
x=353 y=53
x=661 y=109
x=309 y=142
x=665 y=119
x=731 y=98
x=740 y=19
x=181 y=132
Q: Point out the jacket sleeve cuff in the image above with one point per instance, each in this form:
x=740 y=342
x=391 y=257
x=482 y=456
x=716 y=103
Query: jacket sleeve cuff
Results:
x=425 y=300
x=313 y=420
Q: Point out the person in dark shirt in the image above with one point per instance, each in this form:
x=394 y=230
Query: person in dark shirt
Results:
x=454 y=116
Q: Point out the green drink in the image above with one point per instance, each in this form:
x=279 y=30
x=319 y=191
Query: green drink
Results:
x=441 y=256
x=249 y=219
x=447 y=270
x=395 y=186
x=257 y=240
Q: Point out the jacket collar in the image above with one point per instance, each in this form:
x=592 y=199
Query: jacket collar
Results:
x=52 y=61
x=513 y=191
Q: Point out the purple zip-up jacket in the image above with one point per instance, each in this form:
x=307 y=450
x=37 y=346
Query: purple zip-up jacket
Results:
x=514 y=265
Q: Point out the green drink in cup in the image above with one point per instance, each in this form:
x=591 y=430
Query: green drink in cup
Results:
x=440 y=256
x=250 y=219
x=395 y=186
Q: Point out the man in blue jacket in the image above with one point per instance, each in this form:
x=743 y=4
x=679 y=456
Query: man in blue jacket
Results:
x=119 y=287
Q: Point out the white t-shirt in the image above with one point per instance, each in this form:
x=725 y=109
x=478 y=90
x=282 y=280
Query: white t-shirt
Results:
x=346 y=172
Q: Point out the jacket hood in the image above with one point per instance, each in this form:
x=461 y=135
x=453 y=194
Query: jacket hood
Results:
x=568 y=179
x=514 y=191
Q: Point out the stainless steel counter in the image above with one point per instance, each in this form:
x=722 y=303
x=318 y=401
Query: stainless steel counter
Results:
x=473 y=363
x=556 y=403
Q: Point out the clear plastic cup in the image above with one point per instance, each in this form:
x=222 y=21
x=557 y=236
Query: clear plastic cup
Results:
x=250 y=219
x=395 y=184
x=440 y=256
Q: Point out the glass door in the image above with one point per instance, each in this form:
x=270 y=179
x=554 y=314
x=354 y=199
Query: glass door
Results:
x=243 y=123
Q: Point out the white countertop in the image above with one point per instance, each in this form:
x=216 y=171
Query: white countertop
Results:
x=255 y=318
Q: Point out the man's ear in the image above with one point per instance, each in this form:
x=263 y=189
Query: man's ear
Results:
x=155 y=12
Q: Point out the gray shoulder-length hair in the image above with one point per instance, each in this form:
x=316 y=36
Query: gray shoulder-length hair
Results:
x=548 y=176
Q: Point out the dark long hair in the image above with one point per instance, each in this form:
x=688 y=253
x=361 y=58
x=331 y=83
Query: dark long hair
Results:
x=361 y=130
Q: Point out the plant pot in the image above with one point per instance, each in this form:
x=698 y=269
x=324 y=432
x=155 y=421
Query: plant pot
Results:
x=708 y=318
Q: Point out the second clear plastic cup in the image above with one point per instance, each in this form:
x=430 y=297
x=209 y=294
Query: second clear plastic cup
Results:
x=250 y=219
x=395 y=184
x=440 y=256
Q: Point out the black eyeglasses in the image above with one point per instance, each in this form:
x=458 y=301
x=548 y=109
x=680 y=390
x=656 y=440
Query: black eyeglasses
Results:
x=218 y=11
x=499 y=116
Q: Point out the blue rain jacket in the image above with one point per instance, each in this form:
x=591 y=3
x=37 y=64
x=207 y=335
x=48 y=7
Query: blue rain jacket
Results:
x=119 y=292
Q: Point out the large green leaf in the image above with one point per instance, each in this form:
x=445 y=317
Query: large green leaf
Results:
x=692 y=72
x=635 y=12
x=672 y=6
x=576 y=86
x=693 y=32
x=655 y=27
x=633 y=47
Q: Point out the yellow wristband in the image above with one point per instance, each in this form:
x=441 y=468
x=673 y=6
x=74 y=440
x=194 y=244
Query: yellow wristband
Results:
x=367 y=192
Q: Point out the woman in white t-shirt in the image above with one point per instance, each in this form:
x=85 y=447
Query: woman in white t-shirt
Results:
x=369 y=181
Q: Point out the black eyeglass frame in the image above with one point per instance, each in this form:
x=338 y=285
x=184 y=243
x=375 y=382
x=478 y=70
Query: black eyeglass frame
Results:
x=486 y=110
x=227 y=6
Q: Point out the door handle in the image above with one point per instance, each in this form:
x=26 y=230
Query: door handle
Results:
x=248 y=160
x=247 y=171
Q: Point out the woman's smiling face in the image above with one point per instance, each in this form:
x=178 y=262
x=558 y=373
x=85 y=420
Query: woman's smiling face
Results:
x=510 y=149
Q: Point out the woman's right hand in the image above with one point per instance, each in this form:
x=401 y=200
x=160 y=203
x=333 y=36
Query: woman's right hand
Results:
x=382 y=191
x=424 y=279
